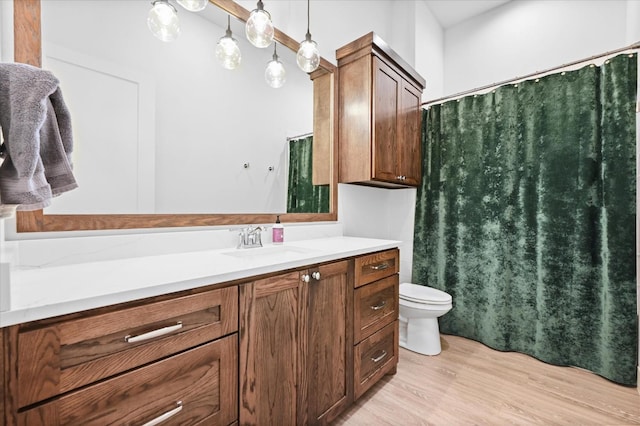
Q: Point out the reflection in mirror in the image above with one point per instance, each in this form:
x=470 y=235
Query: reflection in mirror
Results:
x=303 y=196
x=27 y=34
x=163 y=127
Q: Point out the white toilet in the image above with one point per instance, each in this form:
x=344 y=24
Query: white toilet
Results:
x=420 y=307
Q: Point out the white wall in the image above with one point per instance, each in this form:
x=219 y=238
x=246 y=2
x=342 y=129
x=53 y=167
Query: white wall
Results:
x=429 y=51
x=525 y=36
x=6 y=31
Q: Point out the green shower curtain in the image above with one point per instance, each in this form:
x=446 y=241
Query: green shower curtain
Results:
x=526 y=216
x=302 y=195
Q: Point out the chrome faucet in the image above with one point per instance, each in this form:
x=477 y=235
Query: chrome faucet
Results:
x=250 y=236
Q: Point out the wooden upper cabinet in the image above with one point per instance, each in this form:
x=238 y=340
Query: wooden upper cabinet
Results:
x=379 y=115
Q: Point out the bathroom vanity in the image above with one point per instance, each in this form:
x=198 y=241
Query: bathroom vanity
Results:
x=289 y=334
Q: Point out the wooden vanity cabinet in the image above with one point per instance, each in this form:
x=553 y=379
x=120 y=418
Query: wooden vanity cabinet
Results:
x=328 y=343
x=379 y=97
x=376 y=310
x=129 y=364
x=296 y=350
x=278 y=349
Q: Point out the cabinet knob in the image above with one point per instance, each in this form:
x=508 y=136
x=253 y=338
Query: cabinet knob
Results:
x=316 y=276
x=305 y=278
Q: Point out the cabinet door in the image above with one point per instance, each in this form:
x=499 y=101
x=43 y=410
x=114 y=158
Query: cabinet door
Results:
x=329 y=343
x=409 y=144
x=386 y=86
x=269 y=348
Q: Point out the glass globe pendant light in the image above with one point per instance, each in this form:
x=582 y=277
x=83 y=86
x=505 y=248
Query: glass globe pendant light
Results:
x=259 y=28
x=275 y=74
x=193 y=5
x=163 y=21
x=227 y=50
x=308 y=57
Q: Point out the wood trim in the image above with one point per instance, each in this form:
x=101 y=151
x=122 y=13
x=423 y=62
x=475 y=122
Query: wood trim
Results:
x=36 y=221
x=26 y=23
x=27 y=39
x=302 y=366
x=11 y=385
x=322 y=129
x=355 y=124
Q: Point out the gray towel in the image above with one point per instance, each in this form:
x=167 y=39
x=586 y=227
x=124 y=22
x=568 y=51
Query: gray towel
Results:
x=36 y=126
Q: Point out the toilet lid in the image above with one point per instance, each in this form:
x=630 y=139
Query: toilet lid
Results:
x=422 y=294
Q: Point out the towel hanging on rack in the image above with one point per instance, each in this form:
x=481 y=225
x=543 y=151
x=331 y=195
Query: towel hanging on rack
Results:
x=36 y=126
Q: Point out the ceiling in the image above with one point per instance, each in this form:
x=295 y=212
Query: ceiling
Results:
x=452 y=12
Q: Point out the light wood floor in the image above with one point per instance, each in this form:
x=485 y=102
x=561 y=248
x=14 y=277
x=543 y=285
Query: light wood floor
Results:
x=471 y=384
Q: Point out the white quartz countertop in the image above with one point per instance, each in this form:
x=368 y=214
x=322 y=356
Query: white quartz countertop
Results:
x=44 y=292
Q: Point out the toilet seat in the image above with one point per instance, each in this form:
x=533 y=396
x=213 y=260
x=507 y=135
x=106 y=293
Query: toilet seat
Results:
x=424 y=295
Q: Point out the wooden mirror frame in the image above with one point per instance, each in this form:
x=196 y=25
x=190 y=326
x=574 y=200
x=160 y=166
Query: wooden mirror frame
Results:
x=28 y=49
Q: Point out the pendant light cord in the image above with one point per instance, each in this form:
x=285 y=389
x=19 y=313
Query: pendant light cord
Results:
x=308 y=17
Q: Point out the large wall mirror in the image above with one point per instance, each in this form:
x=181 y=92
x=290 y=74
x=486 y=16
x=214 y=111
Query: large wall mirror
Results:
x=164 y=135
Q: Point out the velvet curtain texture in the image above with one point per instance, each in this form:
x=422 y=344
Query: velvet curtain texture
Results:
x=302 y=195
x=526 y=216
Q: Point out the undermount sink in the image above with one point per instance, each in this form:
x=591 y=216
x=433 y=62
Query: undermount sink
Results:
x=272 y=252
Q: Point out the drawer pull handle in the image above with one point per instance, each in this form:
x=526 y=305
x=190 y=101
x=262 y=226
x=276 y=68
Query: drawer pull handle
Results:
x=379 y=305
x=316 y=276
x=161 y=418
x=155 y=333
x=379 y=357
x=380 y=267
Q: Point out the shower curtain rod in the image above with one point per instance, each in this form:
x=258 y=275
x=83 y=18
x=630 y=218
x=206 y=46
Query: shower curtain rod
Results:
x=304 y=135
x=537 y=73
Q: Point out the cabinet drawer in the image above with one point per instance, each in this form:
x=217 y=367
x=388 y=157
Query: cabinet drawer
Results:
x=374 y=357
x=376 y=305
x=198 y=386
x=375 y=266
x=69 y=354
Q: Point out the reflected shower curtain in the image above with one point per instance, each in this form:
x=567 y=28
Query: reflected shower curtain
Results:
x=526 y=216
x=302 y=195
